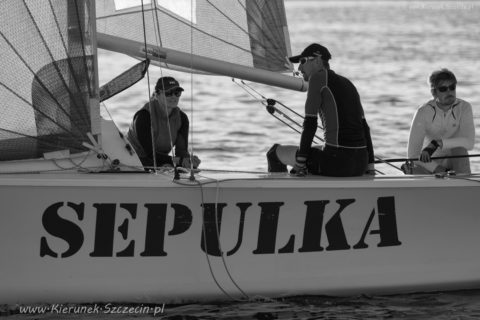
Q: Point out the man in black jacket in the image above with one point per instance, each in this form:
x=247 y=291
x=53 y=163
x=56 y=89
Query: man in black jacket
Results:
x=348 y=149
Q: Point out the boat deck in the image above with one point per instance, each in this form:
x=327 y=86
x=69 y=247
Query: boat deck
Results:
x=229 y=179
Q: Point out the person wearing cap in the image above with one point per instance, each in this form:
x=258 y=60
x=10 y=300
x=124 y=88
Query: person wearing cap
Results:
x=162 y=121
x=348 y=149
x=441 y=127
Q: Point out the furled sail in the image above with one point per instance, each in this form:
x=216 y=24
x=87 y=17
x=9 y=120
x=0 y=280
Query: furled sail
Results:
x=238 y=38
x=48 y=86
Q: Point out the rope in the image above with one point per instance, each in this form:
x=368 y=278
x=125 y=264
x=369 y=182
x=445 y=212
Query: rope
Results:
x=234 y=171
x=219 y=243
x=205 y=243
x=264 y=102
x=465 y=178
x=381 y=160
x=433 y=158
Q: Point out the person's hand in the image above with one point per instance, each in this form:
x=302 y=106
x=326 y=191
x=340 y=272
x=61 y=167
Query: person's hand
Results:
x=425 y=156
x=195 y=162
x=427 y=152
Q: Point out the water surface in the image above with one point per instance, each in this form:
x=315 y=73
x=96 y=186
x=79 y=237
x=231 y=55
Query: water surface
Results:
x=387 y=48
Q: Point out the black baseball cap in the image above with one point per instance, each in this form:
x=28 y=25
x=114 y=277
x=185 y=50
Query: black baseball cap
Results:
x=312 y=50
x=167 y=84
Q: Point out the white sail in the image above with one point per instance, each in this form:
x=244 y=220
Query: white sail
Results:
x=245 y=39
x=48 y=86
x=49 y=93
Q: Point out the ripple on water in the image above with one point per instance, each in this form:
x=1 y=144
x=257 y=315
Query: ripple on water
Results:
x=463 y=304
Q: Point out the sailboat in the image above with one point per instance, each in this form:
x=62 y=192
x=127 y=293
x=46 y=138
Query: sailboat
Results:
x=81 y=221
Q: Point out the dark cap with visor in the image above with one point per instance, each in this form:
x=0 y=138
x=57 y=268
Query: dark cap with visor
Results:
x=312 y=50
x=167 y=84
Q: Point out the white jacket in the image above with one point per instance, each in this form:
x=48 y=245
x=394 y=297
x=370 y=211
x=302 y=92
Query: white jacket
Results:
x=454 y=127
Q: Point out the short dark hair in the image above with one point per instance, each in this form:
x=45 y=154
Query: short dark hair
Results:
x=438 y=76
x=326 y=64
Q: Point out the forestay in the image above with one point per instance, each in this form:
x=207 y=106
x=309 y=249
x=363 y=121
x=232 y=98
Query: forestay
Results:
x=48 y=86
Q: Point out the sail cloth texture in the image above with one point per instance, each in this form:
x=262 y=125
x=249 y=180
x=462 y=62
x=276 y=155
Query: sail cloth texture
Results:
x=251 y=33
x=124 y=81
x=48 y=90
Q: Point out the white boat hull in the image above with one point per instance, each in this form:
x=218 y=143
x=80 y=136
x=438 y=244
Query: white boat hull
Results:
x=140 y=237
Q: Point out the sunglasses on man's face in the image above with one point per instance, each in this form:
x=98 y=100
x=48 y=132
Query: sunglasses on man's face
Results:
x=304 y=60
x=451 y=87
x=177 y=93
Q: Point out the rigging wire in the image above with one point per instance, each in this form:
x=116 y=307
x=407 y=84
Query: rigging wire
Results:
x=264 y=98
x=149 y=92
x=122 y=136
x=156 y=23
x=272 y=109
x=192 y=174
x=159 y=44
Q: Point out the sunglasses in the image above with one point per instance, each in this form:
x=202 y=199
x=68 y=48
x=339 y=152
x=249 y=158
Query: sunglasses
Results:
x=304 y=60
x=451 y=87
x=177 y=93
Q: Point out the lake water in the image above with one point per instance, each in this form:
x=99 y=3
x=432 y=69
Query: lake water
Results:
x=387 y=49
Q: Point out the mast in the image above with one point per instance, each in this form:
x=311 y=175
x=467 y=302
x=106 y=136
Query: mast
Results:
x=83 y=33
x=163 y=55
